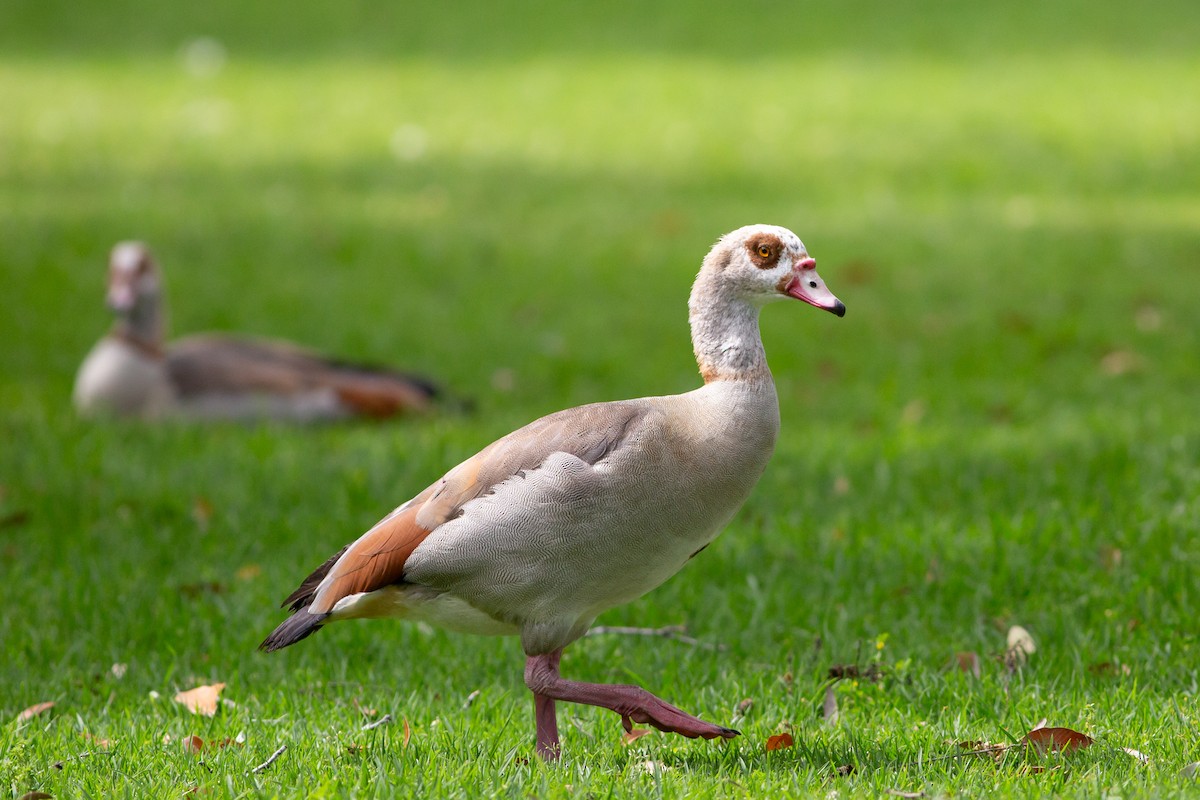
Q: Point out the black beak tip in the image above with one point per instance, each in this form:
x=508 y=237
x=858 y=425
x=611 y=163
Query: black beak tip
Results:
x=839 y=309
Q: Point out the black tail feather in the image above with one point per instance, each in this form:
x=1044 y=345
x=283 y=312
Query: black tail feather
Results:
x=299 y=626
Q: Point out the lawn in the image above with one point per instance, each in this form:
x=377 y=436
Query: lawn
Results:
x=1002 y=430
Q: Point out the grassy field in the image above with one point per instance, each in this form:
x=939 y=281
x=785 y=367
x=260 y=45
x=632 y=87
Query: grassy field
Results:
x=1002 y=431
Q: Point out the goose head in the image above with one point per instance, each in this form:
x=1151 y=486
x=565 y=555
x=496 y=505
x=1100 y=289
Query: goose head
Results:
x=133 y=279
x=766 y=262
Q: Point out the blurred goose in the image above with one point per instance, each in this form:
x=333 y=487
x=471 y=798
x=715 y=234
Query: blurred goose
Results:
x=131 y=373
x=587 y=508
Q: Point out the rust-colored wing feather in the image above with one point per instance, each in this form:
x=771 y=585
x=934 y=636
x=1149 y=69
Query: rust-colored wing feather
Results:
x=374 y=561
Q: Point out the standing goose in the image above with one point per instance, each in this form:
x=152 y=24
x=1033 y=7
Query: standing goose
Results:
x=131 y=373
x=586 y=508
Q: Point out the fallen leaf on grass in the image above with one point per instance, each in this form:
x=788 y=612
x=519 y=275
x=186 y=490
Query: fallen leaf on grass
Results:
x=202 y=699
x=34 y=711
x=780 y=741
x=36 y=796
x=629 y=737
x=1061 y=740
x=194 y=744
x=407 y=732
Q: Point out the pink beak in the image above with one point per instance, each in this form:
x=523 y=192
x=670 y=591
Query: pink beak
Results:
x=807 y=285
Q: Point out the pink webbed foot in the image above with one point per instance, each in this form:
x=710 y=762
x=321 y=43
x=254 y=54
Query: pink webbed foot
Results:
x=633 y=703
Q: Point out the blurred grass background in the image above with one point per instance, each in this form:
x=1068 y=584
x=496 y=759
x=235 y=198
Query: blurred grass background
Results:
x=514 y=199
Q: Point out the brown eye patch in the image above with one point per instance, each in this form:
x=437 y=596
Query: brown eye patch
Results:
x=764 y=250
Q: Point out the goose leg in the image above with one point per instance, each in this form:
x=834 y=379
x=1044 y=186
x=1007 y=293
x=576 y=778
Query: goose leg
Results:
x=633 y=703
x=545 y=715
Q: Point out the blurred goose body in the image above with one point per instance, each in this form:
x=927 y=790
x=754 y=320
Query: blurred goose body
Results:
x=131 y=372
x=586 y=508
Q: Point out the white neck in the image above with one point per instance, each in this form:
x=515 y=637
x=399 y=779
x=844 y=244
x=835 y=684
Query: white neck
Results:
x=725 y=334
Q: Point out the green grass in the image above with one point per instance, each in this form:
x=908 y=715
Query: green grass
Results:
x=1002 y=430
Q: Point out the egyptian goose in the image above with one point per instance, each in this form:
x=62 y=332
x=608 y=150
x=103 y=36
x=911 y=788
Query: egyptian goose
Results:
x=586 y=508
x=131 y=373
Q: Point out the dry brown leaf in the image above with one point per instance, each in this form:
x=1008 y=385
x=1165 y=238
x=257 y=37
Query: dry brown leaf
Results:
x=780 y=741
x=629 y=737
x=968 y=662
x=829 y=708
x=192 y=745
x=34 y=711
x=202 y=699
x=1061 y=740
x=407 y=732
x=36 y=796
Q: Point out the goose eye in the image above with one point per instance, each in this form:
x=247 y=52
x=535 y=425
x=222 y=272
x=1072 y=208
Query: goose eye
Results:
x=764 y=251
